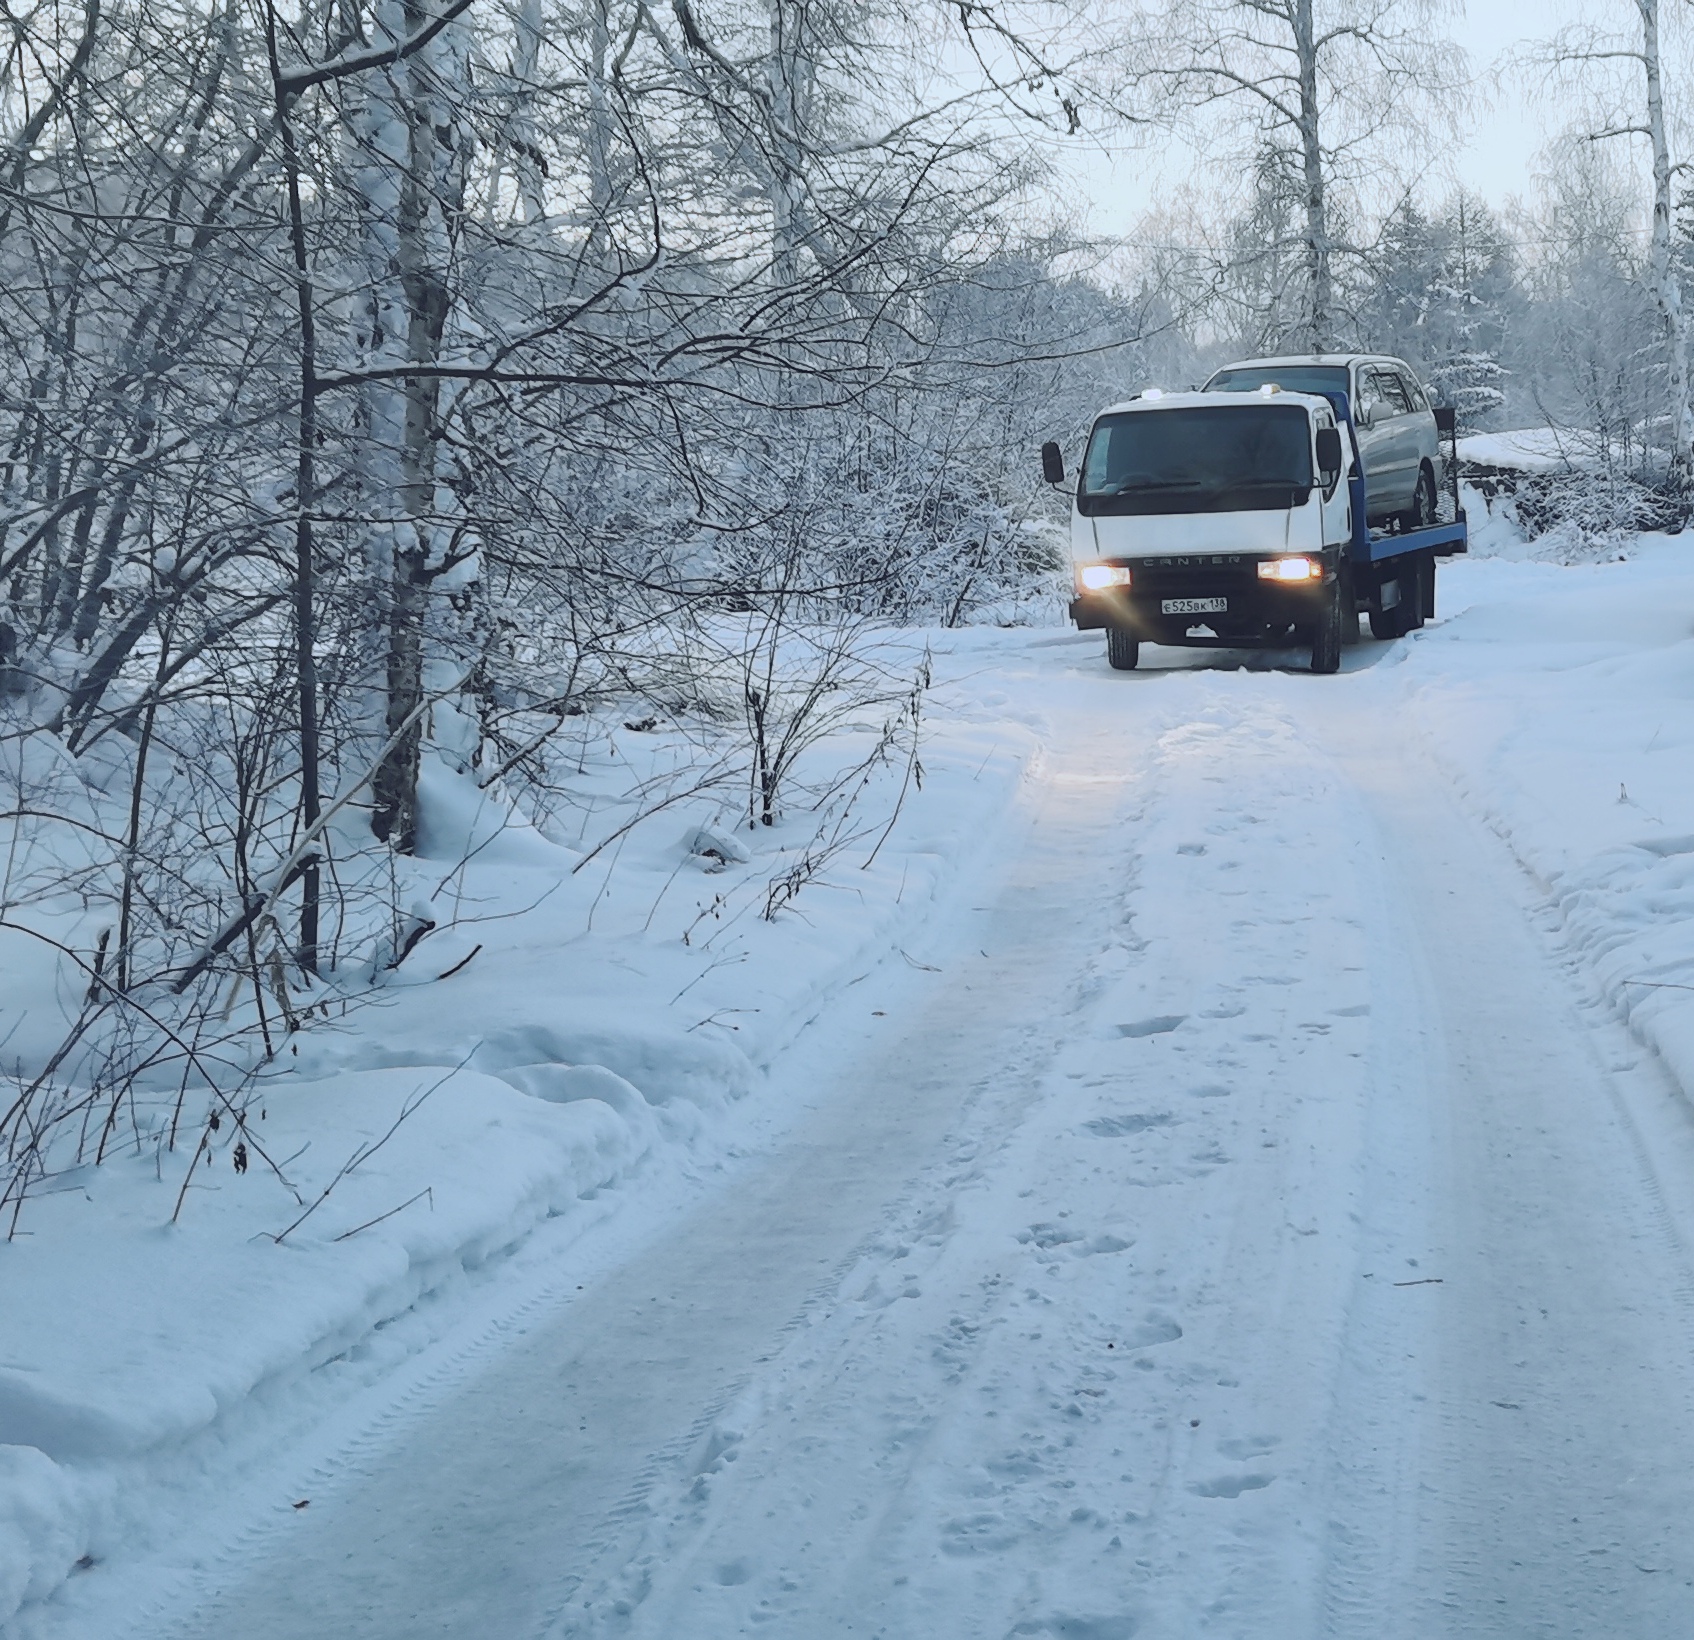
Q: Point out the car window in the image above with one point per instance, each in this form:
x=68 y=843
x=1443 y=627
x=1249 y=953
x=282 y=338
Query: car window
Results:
x=1291 y=378
x=1413 y=391
x=1391 y=396
x=1370 y=397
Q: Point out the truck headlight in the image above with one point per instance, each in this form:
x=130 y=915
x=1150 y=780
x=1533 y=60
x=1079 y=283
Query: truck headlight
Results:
x=1097 y=577
x=1290 y=569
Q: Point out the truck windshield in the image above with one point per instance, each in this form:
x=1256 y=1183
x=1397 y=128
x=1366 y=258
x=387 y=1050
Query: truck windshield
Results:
x=1291 y=378
x=1240 y=459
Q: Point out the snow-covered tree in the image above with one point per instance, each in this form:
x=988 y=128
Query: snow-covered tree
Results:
x=1441 y=291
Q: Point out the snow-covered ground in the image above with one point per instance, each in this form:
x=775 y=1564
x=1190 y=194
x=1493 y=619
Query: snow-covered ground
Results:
x=1225 y=1167
x=1531 y=449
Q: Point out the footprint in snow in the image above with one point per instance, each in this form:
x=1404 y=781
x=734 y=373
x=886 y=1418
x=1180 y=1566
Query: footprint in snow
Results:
x=1210 y=1090
x=1231 y=1486
x=1078 y=1628
x=1248 y=1446
x=986 y=1533
x=1158 y=1025
x=1155 y=1329
x=1357 y=1011
x=1122 y=1127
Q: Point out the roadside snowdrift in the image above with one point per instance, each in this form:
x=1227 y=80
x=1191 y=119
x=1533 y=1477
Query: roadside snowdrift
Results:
x=1562 y=700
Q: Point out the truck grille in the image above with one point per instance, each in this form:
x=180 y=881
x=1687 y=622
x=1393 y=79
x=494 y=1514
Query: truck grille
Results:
x=1194 y=575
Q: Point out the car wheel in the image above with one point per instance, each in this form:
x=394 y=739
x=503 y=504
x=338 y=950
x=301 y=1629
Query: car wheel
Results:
x=1123 y=649
x=1421 y=514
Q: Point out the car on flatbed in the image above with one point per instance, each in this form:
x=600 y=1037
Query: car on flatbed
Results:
x=1391 y=415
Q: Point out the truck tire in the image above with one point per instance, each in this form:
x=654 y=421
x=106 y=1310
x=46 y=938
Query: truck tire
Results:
x=1385 y=623
x=1326 y=635
x=1421 y=514
x=1123 y=649
x=1403 y=617
x=1414 y=590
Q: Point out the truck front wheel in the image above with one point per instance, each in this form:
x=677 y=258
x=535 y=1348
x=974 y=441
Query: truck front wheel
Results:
x=1326 y=635
x=1123 y=649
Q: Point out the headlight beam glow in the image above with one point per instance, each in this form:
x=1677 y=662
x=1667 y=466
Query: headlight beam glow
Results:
x=1098 y=577
x=1290 y=569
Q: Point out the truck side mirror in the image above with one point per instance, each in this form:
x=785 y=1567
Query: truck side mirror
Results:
x=1052 y=463
x=1329 y=451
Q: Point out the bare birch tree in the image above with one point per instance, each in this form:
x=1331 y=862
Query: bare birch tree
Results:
x=1320 y=83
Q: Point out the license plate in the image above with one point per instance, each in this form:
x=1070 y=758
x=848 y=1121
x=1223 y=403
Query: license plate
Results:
x=1193 y=606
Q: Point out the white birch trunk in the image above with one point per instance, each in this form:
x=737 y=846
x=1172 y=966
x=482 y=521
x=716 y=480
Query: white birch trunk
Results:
x=1666 y=288
x=1318 y=300
x=790 y=76
x=421 y=139
x=601 y=129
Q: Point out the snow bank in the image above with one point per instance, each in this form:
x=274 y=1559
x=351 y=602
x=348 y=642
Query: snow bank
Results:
x=575 y=1016
x=172 y=1324
x=1529 y=450
x=40 y=1532
x=1562 y=701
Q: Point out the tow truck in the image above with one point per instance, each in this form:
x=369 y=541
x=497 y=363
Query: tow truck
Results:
x=1235 y=520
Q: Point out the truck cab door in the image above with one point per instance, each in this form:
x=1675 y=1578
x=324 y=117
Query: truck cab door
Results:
x=1335 y=502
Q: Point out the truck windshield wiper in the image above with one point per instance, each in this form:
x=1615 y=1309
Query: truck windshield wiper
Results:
x=1129 y=487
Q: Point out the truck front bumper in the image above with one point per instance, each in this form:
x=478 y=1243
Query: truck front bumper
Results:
x=1170 y=598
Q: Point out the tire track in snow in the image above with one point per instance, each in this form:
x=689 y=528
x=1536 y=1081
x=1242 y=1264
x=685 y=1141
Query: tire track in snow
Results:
x=517 y=1510
x=1547 y=1381
x=997 y=1386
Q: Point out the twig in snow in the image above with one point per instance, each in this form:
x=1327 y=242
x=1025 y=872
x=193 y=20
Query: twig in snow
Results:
x=428 y=1190
x=462 y=962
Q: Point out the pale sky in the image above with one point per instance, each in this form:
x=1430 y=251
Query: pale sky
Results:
x=1496 y=155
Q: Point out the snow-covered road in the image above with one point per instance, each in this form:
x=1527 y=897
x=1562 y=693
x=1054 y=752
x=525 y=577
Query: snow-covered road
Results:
x=1239 y=1218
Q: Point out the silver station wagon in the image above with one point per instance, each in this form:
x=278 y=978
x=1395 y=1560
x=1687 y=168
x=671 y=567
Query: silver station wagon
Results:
x=1391 y=416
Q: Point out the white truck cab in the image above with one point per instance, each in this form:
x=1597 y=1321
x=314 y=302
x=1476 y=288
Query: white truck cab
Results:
x=1195 y=472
